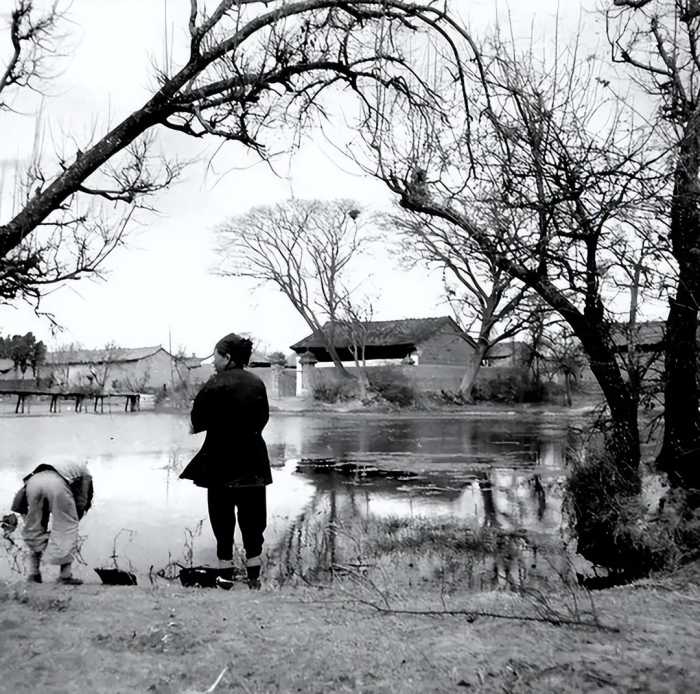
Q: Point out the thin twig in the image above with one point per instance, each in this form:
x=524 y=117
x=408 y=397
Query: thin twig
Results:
x=473 y=614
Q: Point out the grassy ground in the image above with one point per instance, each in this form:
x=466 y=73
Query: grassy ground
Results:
x=167 y=639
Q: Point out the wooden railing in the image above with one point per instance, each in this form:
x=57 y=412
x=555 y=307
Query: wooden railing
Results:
x=132 y=401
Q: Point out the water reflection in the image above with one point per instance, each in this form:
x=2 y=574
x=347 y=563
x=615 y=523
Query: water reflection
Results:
x=497 y=477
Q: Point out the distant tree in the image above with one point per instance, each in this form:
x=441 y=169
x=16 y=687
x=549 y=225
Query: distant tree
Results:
x=138 y=384
x=277 y=358
x=305 y=248
x=536 y=339
x=37 y=357
x=486 y=301
x=102 y=365
x=354 y=320
x=25 y=351
x=564 y=356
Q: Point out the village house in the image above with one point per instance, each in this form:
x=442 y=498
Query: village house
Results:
x=648 y=342
x=438 y=340
x=647 y=337
x=431 y=353
x=118 y=368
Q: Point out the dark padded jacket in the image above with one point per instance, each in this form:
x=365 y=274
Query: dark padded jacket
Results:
x=232 y=408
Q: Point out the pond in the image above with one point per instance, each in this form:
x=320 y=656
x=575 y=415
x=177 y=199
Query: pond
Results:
x=366 y=476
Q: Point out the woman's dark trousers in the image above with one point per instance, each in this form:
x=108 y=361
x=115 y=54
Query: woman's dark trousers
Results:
x=248 y=503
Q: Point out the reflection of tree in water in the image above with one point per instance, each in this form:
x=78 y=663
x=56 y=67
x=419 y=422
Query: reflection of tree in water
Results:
x=539 y=494
x=334 y=531
x=513 y=499
x=490 y=511
x=496 y=484
x=175 y=465
x=308 y=547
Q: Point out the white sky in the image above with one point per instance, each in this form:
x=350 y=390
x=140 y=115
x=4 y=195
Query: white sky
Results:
x=161 y=282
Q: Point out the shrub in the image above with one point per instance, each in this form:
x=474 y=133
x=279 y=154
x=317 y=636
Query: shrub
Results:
x=335 y=391
x=613 y=529
x=392 y=384
x=505 y=389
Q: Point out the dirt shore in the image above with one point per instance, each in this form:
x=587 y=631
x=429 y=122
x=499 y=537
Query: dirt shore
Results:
x=168 y=639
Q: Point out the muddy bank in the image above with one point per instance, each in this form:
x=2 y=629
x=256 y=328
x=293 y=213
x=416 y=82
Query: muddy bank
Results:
x=168 y=639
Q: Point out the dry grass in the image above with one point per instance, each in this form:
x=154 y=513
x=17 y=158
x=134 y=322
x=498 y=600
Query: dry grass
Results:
x=172 y=640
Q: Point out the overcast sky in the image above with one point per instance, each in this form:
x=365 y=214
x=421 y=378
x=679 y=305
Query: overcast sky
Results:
x=160 y=288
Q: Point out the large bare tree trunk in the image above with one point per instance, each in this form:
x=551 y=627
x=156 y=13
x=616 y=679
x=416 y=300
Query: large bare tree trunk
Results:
x=333 y=352
x=472 y=371
x=623 y=444
x=680 y=454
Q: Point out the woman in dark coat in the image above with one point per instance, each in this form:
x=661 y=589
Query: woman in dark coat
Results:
x=233 y=463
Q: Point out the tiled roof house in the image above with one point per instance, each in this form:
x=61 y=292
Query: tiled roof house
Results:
x=436 y=340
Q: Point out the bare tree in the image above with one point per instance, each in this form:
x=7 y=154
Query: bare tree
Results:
x=486 y=301
x=60 y=362
x=306 y=248
x=354 y=320
x=641 y=269
x=102 y=365
x=545 y=183
x=658 y=40
x=253 y=67
x=564 y=356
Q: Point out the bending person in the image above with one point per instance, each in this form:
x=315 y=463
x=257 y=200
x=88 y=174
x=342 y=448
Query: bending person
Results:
x=233 y=464
x=62 y=492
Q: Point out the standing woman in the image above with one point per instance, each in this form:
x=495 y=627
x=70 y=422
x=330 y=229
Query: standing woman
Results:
x=233 y=463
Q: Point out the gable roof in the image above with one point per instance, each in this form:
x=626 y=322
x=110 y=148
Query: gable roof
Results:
x=190 y=362
x=100 y=356
x=406 y=331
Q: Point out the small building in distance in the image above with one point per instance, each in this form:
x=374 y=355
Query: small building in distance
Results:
x=647 y=336
x=117 y=368
x=648 y=339
x=437 y=340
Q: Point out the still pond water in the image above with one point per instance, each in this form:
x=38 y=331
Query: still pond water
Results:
x=501 y=471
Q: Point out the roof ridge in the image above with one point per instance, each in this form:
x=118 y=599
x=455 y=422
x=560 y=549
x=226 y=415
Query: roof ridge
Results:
x=399 y=320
